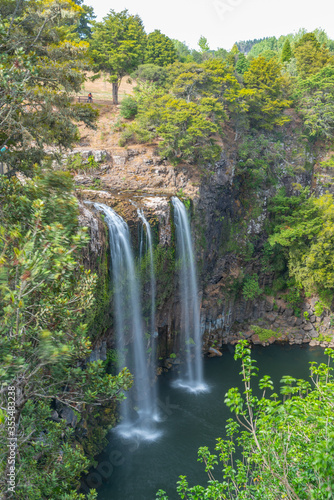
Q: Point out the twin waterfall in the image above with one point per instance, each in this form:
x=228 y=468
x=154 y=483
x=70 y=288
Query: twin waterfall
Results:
x=136 y=344
x=190 y=312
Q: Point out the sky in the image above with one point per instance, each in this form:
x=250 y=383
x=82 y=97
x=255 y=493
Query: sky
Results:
x=224 y=22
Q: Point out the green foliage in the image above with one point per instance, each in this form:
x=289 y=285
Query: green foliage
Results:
x=188 y=117
x=184 y=127
x=310 y=55
x=41 y=61
x=265 y=334
x=274 y=448
x=76 y=163
x=46 y=296
x=87 y=16
x=286 y=52
x=242 y=64
x=151 y=73
x=183 y=53
x=266 y=102
x=250 y=287
x=117 y=46
x=259 y=158
x=304 y=226
x=293 y=297
x=315 y=100
x=267 y=44
x=203 y=44
x=129 y=107
x=159 y=49
x=319 y=308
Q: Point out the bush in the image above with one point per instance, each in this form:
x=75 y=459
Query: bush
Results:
x=265 y=334
x=129 y=108
x=151 y=73
x=251 y=288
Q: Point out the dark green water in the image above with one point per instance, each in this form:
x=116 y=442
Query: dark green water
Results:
x=133 y=470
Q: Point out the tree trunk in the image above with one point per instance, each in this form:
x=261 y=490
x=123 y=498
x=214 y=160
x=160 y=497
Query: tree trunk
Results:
x=115 y=93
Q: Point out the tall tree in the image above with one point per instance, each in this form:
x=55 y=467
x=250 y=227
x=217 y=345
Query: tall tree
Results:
x=160 y=49
x=266 y=102
x=41 y=60
x=315 y=100
x=286 y=51
x=203 y=44
x=242 y=64
x=310 y=55
x=87 y=16
x=117 y=46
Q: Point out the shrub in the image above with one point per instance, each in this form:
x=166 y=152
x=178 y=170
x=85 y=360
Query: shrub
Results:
x=251 y=288
x=129 y=108
x=265 y=334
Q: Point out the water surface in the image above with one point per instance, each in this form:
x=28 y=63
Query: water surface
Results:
x=188 y=421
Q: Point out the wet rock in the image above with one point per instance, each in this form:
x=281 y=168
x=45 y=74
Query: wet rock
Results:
x=167 y=364
x=99 y=353
x=268 y=306
x=214 y=352
x=271 y=317
x=255 y=339
x=69 y=415
x=55 y=416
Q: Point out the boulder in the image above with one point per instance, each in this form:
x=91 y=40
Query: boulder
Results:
x=69 y=415
x=214 y=352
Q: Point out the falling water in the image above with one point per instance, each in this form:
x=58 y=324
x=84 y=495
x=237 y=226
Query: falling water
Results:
x=129 y=324
x=153 y=333
x=149 y=248
x=190 y=312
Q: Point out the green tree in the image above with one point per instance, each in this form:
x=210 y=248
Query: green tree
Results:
x=242 y=64
x=183 y=53
x=41 y=62
x=285 y=446
x=210 y=79
x=87 y=16
x=310 y=55
x=159 y=50
x=303 y=225
x=315 y=100
x=266 y=102
x=286 y=52
x=45 y=297
x=203 y=44
x=117 y=46
x=150 y=73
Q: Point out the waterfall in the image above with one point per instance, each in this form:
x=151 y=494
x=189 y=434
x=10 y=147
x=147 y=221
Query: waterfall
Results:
x=190 y=312
x=152 y=331
x=129 y=327
x=149 y=249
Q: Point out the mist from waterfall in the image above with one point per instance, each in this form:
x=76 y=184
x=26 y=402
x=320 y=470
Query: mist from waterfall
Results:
x=129 y=327
x=192 y=378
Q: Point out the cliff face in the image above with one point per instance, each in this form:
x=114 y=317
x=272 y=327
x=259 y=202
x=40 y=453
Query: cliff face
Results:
x=228 y=212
